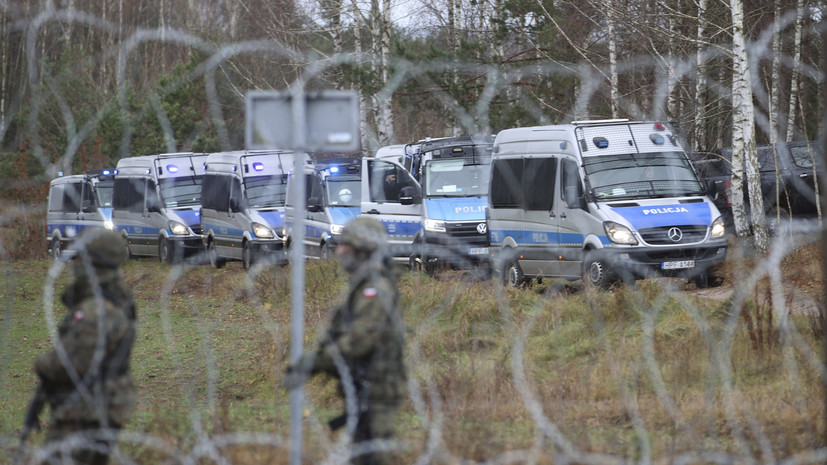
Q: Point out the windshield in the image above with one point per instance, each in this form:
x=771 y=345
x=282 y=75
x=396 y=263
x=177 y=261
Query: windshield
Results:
x=644 y=175
x=266 y=191
x=343 y=191
x=184 y=191
x=104 y=191
x=456 y=178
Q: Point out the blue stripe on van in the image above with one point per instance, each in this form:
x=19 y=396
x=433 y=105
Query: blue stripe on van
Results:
x=275 y=220
x=190 y=216
x=541 y=238
x=457 y=209
x=666 y=215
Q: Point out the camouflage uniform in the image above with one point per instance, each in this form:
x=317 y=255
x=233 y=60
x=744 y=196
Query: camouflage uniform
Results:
x=368 y=334
x=86 y=378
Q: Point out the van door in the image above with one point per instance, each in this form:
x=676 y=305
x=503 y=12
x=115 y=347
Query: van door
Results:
x=89 y=216
x=391 y=195
x=540 y=239
x=572 y=218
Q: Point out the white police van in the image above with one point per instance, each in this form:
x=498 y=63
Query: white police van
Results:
x=157 y=204
x=454 y=176
x=76 y=203
x=601 y=200
x=242 y=206
x=340 y=189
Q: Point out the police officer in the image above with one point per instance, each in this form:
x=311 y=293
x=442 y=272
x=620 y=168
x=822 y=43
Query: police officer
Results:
x=364 y=345
x=85 y=379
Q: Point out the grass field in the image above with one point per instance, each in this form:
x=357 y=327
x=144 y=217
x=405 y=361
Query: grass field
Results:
x=645 y=373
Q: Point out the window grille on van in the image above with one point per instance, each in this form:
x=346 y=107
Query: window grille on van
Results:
x=468 y=232
x=666 y=235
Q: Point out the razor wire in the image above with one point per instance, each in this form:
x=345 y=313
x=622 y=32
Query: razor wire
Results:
x=548 y=439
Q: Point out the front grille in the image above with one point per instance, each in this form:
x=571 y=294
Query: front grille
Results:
x=468 y=232
x=666 y=235
x=196 y=228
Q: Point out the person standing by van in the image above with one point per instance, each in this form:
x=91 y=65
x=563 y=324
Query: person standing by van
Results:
x=367 y=333
x=86 y=378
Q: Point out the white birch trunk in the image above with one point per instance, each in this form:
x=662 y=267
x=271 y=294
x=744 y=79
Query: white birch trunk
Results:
x=744 y=155
x=363 y=110
x=4 y=67
x=382 y=100
x=794 y=90
x=610 y=26
x=775 y=85
x=700 y=80
x=671 y=79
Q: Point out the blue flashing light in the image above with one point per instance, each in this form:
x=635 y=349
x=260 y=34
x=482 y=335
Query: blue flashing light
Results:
x=172 y=168
x=600 y=142
x=60 y=173
x=116 y=171
x=258 y=166
x=148 y=171
x=334 y=169
x=106 y=172
x=235 y=168
x=656 y=139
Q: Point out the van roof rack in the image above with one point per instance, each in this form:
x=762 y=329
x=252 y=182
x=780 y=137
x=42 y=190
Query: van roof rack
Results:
x=601 y=121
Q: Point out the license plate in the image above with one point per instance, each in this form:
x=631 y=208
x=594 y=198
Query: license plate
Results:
x=478 y=251
x=678 y=265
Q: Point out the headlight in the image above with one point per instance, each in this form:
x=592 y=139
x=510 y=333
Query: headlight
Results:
x=437 y=226
x=108 y=225
x=619 y=234
x=262 y=231
x=718 y=229
x=336 y=229
x=177 y=228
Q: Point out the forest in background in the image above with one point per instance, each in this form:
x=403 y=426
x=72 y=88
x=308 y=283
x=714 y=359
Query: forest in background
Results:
x=85 y=83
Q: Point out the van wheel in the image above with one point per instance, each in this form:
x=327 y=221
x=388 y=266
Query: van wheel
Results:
x=247 y=255
x=513 y=274
x=56 y=252
x=164 y=251
x=215 y=260
x=596 y=273
x=327 y=252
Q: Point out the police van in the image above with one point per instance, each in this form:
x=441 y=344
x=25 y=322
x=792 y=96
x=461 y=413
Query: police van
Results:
x=157 y=204
x=602 y=201
x=75 y=203
x=338 y=190
x=242 y=206
x=454 y=176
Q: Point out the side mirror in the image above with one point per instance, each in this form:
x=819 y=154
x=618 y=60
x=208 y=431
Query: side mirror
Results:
x=88 y=206
x=574 y=199
x=410 y=196
x=314 y=205
x=153 y=205
x=235 y=205
x=711 y=190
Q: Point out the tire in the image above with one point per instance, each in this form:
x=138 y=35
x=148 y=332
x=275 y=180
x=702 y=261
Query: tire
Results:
x=513 y=274
x=165 y=252
x=56 y=252
x=215 y=260
x=247 y=255
x=327 y=252
x=705 y=280
x=596 y=273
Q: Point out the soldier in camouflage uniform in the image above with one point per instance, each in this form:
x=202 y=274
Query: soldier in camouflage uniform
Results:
x=86 y=379
x=367 y=334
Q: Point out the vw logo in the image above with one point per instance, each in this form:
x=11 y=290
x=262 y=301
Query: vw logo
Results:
x=675 y=234
x=482 y=228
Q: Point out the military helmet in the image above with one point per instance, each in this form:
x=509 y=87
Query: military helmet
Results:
x=365 y=234
x=105 y=249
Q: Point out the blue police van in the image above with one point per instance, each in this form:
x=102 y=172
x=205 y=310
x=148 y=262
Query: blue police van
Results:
x=454 y=173
x=156 y=205
x=75 y=203
x=242 y=206
x=602 y=201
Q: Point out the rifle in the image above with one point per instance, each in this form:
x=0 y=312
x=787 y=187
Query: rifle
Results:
x=32 y=420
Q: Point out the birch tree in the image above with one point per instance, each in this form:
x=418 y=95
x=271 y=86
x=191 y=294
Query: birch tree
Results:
x=794 y=85
x=744 y=155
